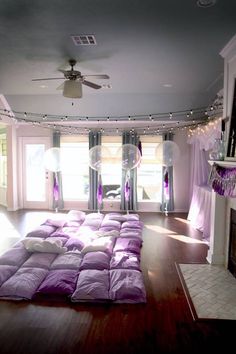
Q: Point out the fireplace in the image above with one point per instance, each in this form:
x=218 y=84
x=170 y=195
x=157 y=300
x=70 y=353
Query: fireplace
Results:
x=232 y=243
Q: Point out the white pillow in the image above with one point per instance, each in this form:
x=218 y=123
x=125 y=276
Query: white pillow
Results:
x=100 y=244
x=75 y=215
x=29 y=242
x=38 y=245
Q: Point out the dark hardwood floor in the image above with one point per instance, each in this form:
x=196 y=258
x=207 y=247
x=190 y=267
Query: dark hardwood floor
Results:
x=163 y=325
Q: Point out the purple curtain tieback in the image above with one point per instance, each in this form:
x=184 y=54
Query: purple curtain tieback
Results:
x=223 y=180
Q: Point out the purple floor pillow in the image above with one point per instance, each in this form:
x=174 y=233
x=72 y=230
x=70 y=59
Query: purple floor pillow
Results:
x=92 y=285
x=42 y=231
x=115 y=216
x=128 y=244
x=6 y=271
x=125 y=260
x=132 y=224
x=132 y=233
x=126 y=286
x=22 y=284
x=95 y=260
x=54 y=238
x=59 y=282
x=74 y=244
x=40 y=260
x=15 y=256
x=132 y=217
x=115 y=225
x=65 y=231
x=68 y=260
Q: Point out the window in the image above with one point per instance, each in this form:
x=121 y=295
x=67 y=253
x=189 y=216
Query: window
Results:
x=3 y=160
x=75 y=167
x=111 y=171
x=149 y=173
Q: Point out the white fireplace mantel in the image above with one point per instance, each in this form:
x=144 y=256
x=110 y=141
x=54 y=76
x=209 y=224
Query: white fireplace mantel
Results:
x=225 y=163
x=219 y=231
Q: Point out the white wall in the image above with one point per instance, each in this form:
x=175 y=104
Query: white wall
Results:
x=182 y=173
x=30 y=130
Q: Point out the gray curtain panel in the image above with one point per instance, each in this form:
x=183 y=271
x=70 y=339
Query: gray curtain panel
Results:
x=167 y=173
x=94 y=139
x=129 y=138
x=58 y=202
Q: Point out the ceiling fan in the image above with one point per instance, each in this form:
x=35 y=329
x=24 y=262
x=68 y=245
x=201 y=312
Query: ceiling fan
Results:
x=72 y=86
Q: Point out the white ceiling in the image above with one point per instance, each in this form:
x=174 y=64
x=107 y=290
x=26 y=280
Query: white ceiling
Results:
x=141 y=45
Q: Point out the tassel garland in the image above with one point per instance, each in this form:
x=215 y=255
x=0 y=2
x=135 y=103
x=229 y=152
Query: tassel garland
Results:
x=223 y=180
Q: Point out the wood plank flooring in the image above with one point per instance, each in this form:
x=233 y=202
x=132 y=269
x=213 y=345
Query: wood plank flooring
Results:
x=163 y=325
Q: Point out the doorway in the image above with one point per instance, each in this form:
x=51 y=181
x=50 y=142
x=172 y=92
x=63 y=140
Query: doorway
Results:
x=35 y=179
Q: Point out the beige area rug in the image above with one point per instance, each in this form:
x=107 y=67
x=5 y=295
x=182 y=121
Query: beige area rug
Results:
x=210 y=291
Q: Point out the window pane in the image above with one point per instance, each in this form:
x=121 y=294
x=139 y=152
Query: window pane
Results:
x=75 y=168
x=111 y=172
x=149 y=173
x=35 y=172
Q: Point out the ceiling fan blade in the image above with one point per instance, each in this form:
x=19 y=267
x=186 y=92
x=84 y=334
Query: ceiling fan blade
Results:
x=100 y=76
x=63 y=71
x=49 y=78
x=91 y=84
x=61 y=87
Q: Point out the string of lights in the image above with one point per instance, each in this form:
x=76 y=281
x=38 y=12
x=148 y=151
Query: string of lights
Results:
x=152 y=124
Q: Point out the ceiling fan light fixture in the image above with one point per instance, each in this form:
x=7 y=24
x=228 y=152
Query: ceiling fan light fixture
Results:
x=72 y=89
x=206 y=3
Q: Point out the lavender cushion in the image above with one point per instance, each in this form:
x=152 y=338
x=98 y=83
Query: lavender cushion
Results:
x=125 y=260
x=61 y=239
x=59 y=282
x=95 y=223
x=107 y=229
x=128 y=244
x=6 y=271
x=55 y=222
x=66 y=231
x=95 y=260
x=14 y=256
x=133 y=224
x=68 y=260
x=115 y=225
x=73 y=223
x=92 y=285
x=42 y=231
x=115 y=216
x=40 y=260
x=74 y=244
x=132 y=217
x=134 y=233
x=22 y=285
x=127 y=286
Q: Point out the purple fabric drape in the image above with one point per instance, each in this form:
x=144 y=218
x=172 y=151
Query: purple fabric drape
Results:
x=127 y=190
x=166 y=186
x=55 y=188
x=199 y=167
x=99 y=193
